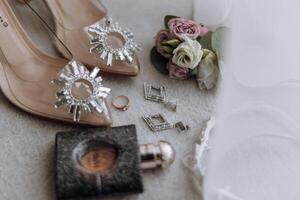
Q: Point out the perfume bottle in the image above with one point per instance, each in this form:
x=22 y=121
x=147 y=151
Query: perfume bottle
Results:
x=105 y=161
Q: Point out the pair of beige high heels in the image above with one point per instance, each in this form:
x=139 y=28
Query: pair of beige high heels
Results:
x=26 y=71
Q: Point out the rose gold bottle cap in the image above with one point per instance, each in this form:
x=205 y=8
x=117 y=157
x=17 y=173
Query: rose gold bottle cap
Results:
x=159 y=155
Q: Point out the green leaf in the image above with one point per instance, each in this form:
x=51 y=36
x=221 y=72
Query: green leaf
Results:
x=173 y=43
x=168 y=50
x=198 y=38
x=193 y=72
x=205 y=41
x=217 y=40
x=168 y=18
x=159 y=62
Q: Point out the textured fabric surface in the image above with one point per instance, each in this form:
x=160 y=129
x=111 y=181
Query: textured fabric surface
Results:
x=27 y=142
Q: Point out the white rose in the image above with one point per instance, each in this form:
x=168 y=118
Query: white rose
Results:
x=208 y=70
x=188 y=54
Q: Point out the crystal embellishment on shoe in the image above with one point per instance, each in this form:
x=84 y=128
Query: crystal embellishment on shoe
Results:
x=80 y=90
x=101 y=44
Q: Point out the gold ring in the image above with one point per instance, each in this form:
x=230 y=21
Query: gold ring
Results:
x=121 y=106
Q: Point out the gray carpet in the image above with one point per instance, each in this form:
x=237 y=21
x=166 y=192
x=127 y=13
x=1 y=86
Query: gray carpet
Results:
x=27 y=142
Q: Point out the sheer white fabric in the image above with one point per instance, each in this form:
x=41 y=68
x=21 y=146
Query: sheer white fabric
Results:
x=256 y=146
x=212 y=13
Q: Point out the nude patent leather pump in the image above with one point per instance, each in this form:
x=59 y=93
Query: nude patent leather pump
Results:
x=26 y=73
x=73 y=17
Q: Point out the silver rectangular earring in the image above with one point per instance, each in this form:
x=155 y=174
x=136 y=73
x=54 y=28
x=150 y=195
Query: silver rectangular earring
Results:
x=158 y=123
x=158 y=94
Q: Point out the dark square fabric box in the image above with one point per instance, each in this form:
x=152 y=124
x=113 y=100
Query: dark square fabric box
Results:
x=123 y=177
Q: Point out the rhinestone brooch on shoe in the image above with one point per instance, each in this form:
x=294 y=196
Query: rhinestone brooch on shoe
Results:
x=80 y=90
x=101 y=46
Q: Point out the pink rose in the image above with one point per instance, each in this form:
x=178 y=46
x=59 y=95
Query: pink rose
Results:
x=162 y=36
x=177 y=72
x=181 y=26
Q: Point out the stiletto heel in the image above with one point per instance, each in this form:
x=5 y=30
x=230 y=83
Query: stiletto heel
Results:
x=73 y=18
x=26 y=72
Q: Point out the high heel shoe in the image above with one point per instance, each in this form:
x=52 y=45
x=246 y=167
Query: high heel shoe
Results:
x=26 y=73
x=73 y=19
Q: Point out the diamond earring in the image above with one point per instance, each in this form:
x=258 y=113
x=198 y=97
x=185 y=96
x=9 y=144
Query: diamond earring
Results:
x=158 y=94
x=80 y=90
x=158 y=123
x=101 y=46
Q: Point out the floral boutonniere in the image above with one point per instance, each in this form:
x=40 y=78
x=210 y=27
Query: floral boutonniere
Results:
x=186 y=49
